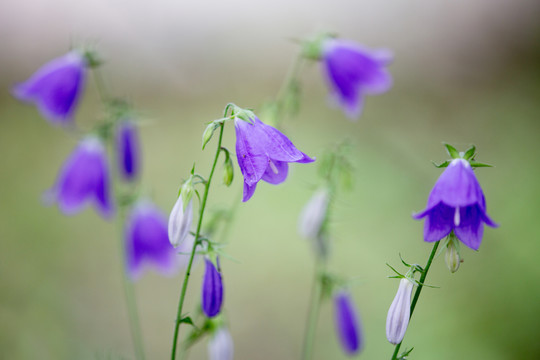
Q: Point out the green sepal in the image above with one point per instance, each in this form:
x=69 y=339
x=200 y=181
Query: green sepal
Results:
x=476 y=164
x=405 y=355
x=469 y=154
x=441 y=165
x=93 y=58
x=454 y=154
x=187 y=320
x=208 y=132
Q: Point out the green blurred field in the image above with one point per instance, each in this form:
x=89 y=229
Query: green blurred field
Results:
x=60 y=280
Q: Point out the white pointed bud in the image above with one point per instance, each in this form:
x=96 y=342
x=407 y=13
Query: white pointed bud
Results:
x=180 y=221
x=398 y=316
x=208 y=132
x=220 y=346
x=452 y=258
x=313 y=215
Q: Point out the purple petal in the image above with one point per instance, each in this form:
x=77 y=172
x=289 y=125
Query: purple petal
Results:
x=276 y=172
x=346 y=323
x=127 y=143
x=471 y=228
x=276 y=145
x=212 y=290
x=439 y=222
x=147 y=241
x=251 y=157
x=55 y=88
x=249 y=190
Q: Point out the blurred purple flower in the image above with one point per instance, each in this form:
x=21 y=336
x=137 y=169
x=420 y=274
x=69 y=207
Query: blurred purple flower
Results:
x=347 y=326
x=212 y=290
x=353 y=71
x=147 y=241
x=263 y=152
x=398 y=316
x=456 y=203
x=83 y=177
x=221 y=346
x=56 y=87
x=128 y=149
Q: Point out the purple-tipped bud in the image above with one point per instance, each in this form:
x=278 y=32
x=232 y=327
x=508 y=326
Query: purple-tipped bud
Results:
x=84 y=178
x=347 y=325
x=398 y=316
x=212 y=290
x=220 y=346
x=55 y=88
x=128 y=149
x=147 y=241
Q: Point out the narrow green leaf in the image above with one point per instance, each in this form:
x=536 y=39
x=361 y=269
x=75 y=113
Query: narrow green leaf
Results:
x=475 y=164
x=441 y=165
x=452 y=151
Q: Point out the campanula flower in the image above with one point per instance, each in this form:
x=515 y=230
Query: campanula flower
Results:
x=84 y=177
x=212 y=290
x=56 y=87
x=220 y=346
x=353 y=71
x=263 y=153
x=147 y=242
x=399 y=313
x=180 y=221
x=128 y=150
x=347 y=325
x=456 y=203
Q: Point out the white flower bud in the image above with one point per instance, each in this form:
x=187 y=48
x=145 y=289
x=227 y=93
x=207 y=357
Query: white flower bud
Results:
x=313 y=215
x=398 y=316
x=220 y=346
x=452 y=257
x=180 y=221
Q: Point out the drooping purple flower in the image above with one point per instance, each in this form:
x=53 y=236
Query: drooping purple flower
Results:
x=147 y=241
x=353 y=71
x=128 y=150
x=399 y=313
x=56 y=87
x=84 y=177
x=212 y=290
x=347 y=325
x=263 y=153
x=221 y=346
x=456 y=203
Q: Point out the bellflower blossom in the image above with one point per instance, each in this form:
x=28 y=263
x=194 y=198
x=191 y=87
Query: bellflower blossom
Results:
x=146 y=241
x=263 y=153
x=456 y=203
x=84 y=177
x=180 y=221
x=347 y=325
x=353 y=71
x=399 y=313
x=212 y=290
x=220 y=346
x=128 y=149
x=56 y=87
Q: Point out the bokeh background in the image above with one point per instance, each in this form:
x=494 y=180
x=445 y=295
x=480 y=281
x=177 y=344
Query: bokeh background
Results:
x=465 y=72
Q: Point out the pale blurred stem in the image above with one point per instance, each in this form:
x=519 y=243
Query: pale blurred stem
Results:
x=129 y=294
x=197 y=234
x=290 y=80
x=100 y=85
x=313 y=312
x=418 y=291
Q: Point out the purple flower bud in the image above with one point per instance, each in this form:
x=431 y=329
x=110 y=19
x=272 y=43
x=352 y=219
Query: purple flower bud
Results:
x=127 y=146
x=353 y=71
x=220 y=346
x=55 y=88
x=180 y=221
x=456 y=203
x=347 y=326
x=212 y=290
x=398 y=316
x=263 y=153
x=146 y=241
x=84 y=177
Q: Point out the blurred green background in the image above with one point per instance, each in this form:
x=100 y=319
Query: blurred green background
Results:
x=465 y=72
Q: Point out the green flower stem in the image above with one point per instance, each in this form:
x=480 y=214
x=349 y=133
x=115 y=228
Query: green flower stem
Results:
x=418 y=290
x=197 y=234
x=313 y=313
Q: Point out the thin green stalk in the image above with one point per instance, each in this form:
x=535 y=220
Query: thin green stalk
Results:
x=313 y=312
x=418 y=291
x=192 y=255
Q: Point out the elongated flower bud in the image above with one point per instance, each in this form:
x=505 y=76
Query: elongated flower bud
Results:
x=452 y=257
x=313 y=215
x=220 y=346
x=399 y=313
x=212 y=290
x=180 y=221
x=128 y=149
x=347 y=325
